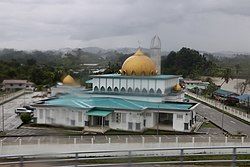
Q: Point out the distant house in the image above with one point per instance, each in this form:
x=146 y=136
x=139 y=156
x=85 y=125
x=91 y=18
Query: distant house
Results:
x=13 y=84
x=244 y=100
x=194 y=84
x=224 y=95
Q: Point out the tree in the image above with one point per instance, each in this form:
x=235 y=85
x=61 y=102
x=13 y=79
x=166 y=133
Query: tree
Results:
x=227 y=75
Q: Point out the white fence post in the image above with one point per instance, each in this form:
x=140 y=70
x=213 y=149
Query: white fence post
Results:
x=193 y=140
x=126 y=140
x=143 y=140
x=92 y=140
x=20 y=142
x=225 y=140
x=176 y=140
x=209 y=141
x=109 y=140
x=242 y=139
x=159 y=139
x=38 y=141
x=74 y=140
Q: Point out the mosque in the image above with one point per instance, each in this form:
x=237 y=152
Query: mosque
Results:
x=135 y=99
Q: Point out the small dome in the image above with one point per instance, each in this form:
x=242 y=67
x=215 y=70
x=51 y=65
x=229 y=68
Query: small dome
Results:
x=138 y=64
x=177 y=87
x=68 y=80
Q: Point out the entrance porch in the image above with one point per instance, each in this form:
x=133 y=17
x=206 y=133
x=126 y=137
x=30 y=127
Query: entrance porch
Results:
x=164 y=121
x=97 y=121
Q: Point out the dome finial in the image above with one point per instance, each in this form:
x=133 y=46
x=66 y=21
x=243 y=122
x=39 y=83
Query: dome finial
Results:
x=139 y=43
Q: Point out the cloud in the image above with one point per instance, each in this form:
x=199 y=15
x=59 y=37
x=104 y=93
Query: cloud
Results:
x=210 y=25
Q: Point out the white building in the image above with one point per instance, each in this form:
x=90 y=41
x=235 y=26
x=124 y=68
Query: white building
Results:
x=13 y=84
x=134 y=100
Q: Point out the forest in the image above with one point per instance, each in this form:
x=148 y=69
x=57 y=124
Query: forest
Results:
x=48 y=67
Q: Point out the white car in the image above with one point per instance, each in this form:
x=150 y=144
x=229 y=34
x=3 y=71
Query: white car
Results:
x=22 y=110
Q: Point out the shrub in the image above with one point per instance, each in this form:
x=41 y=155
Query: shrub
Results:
x=26 y=118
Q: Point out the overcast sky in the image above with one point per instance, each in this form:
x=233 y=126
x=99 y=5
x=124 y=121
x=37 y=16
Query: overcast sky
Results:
x=209 y=25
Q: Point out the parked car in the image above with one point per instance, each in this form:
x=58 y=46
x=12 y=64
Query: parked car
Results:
x=19 y=111
x=29 y=108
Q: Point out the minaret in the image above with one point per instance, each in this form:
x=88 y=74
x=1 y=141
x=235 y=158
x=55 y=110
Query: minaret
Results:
x=155 y=48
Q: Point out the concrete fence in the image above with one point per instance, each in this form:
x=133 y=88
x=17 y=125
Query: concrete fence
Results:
x=223 y=107
x=11 y=96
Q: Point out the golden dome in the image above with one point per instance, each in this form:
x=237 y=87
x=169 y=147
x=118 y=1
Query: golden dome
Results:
x=138 y=64
x=177 y=87
x=68 y=80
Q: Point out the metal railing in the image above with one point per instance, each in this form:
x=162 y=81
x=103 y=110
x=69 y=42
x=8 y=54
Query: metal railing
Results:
x=137 y=157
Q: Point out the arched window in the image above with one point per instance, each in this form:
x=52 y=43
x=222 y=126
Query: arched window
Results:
x=130 y=90
x=137 y=90
x=133 y=72
x=102 y=89
x=116 y=89
x=159 y=91
x=151 y=91
x=96 y=89
x=123 y=90
x=109 y=89
x=144 y=91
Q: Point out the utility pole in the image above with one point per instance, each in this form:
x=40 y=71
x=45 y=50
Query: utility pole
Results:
x=3 y=117
x=158 y=117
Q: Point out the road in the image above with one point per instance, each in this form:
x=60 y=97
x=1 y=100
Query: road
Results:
x=226 y=122
x=11 y=120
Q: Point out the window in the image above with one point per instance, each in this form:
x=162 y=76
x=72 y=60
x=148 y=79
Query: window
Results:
x=102 y=89
x=116 y=89
x=179 y=116
x=41 y=114
x=117 y=117
x=185 y=126
x=130 y=126
x=109 y=89
x=151 y=91
x=80 y=116
x=148 y=114
x=144 y=91
x=123 y=90
x=72 y=122
x=159 y=91
x=96 y=89
x=138 y=126
x=130 y=90
x=124 y=117
x=113 y=117
x=137 y=90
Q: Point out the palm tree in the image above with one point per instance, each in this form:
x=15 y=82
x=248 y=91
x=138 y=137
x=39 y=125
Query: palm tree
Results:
x=227 y=75
x=237 y=68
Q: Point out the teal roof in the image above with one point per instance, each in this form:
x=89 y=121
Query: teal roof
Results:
x=115 y=103
x=224 y=93
x=98 y=112
x=125 y=76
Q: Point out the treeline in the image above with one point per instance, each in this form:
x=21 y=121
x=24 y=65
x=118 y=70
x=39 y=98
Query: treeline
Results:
x=188 y=63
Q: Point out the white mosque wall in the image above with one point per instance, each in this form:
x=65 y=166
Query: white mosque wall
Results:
x=148 y=83
x=119 y=119
x=60 y=116
x=126 y=120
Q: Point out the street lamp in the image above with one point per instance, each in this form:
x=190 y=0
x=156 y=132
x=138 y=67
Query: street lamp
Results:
x=3 y=117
